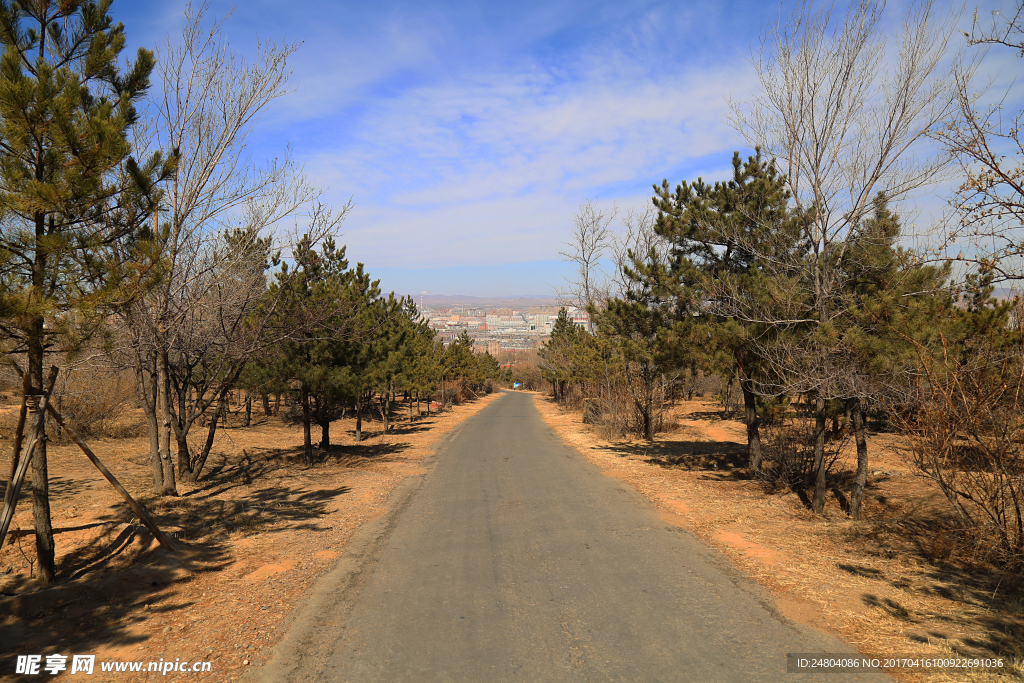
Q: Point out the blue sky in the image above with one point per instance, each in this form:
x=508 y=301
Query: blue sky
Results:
x=468 y=133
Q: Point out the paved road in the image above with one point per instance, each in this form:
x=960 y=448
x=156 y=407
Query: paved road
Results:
x=516 y=560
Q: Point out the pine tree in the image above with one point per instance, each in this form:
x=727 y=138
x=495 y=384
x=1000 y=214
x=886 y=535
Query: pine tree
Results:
x=889 y=301
x=641 y=330
x=558 y=354
x=69 y=188
x=726 y=240
x=335 y=310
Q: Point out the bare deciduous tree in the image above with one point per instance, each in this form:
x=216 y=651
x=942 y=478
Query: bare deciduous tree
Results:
x=592 y=237
x=987 y=142
x=966 y=432
x=639 y=240
x=189 y=317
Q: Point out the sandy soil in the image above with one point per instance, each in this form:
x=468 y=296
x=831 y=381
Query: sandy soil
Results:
x=880 y=584
x=254 y=535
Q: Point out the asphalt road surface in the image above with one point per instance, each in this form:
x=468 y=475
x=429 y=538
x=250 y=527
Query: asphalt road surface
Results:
x=514 y=559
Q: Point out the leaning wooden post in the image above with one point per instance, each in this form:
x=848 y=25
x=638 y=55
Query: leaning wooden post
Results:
x=35 y=404
x=19 y=434
x=14 y=489
x=136 y=508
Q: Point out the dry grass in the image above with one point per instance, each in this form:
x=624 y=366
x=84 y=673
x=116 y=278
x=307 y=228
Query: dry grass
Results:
x=877 y=584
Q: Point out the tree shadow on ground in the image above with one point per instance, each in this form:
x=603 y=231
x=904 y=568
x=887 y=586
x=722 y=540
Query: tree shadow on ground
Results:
x=719 y=460
x=59 y=486
x=405 y=428
x=713 y=415
x=269 y=509
x=350 y=454
x=89 y=608
x=117 y=577
x=992 y=601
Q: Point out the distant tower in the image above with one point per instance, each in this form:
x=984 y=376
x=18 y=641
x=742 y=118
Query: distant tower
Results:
x=421 y=299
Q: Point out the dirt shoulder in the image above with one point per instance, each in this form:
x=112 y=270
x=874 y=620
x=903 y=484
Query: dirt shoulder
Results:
x=256 y=534
x=879 y=584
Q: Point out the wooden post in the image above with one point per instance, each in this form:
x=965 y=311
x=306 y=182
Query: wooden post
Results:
x=136 y=508
x=37 y=406
x=14 y=489
x=19 y=434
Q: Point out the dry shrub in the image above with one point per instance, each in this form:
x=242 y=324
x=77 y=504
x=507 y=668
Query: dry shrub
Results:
x=529 y=375
x=967 y=435
x=615 y=414
x=773 y=410
x=691 y=384
x=730 y=395
x=96 y=403
x=452 y=392
x=787 y=451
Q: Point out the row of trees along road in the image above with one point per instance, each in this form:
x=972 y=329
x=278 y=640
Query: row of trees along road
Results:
x=134 y=222
x=793 y=276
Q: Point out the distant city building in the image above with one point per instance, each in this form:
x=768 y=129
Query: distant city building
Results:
x=500 y=329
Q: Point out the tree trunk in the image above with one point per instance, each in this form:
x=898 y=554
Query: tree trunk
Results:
x=323 y=419
x=277 y=404
x=59 y=405
x=34 y=343
x=648 y=409
x=727 y=399
x=307 y=437
x=753 y=425
x=19 y=435
x=860 y=481
x=384 y=409
x=359 y=419
x=147 y=399
x=248 y=409
x=325 y=435
x=46 y=570
x=820 y=490
x=211 y=431
x=184 y=452
x=266 y=405
x=163 y=410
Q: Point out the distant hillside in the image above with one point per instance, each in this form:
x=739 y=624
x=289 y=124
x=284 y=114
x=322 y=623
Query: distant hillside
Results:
x=449 y=300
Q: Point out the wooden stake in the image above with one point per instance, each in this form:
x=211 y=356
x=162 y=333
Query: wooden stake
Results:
x=136 y=508
x=19 y=434
x=14 y=489
x=36 y=433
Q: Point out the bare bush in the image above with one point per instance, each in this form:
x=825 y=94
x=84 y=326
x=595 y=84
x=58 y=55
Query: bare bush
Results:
x=787 y=449
x=97 y=403
x=529 y=375
x=452 y=393
x=967 y=435
x=615 y=412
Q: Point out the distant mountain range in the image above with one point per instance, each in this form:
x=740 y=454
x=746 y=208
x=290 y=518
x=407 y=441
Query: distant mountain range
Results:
x=449 y=300
x=431 y=301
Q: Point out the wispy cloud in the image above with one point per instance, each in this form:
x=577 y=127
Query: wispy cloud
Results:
x=516 y=150
x=469 y=133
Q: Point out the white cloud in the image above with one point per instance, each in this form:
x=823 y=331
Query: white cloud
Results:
x=498 y=164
